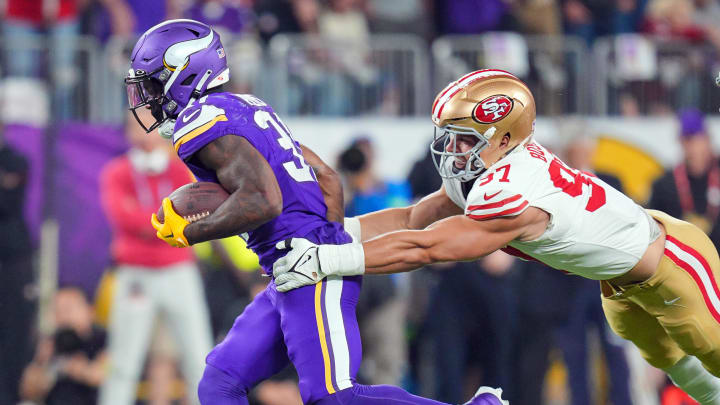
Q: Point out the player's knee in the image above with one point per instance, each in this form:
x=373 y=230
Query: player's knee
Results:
x=218 y=387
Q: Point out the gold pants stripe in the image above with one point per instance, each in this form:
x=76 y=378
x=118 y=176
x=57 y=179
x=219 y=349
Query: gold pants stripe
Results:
x=676 y=312
x=692 y=262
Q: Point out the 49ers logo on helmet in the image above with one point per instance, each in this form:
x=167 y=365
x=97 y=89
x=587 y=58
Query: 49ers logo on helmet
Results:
x=492 y=109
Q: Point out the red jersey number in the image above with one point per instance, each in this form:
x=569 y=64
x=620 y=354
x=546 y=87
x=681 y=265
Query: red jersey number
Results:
x=574 y=187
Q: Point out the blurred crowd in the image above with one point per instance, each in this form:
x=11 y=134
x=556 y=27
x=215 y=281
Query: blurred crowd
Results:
x=353 y=19
x=646 y=65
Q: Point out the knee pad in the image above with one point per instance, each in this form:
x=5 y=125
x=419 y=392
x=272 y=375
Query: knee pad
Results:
x=218 y=387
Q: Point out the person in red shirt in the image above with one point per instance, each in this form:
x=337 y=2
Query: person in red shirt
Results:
x=151 y=276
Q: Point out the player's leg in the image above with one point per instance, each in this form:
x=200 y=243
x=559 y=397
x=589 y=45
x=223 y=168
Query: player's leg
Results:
x=184 y=301
x=323 y=341
x=629 y=321
x=252 y=351
x=632 y=322
x=131 y=323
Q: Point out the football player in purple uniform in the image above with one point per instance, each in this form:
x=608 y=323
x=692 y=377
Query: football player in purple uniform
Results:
x=177 y=71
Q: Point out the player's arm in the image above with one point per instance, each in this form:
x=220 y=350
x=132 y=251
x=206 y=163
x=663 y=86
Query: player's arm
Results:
x=431 y=208
x=255 y=196
x=330 y=185
x=454 y=239
x=457 y=238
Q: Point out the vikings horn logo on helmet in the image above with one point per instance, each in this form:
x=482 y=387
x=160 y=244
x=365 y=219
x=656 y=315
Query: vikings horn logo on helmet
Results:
x=492 y=109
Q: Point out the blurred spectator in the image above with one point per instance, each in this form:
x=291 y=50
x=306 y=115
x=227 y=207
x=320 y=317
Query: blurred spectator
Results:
x=591 y=19
x=424 y=178
x=366 y=192
x=17 y=306
x=673 y=19
x=585 y=311
x=25 y=25
x=69 y=366
x=286 y=16
x=344 y=23
x=539 y=17
x=382 y=305
x=230 y=272
x=472 y=16
x=707 y=12
x=234 y=21
x=471 y=319
x=691 y=190
x=152 y=278
x=225 y=16
x=399 y=17
x=133 y=17
x=539 y=312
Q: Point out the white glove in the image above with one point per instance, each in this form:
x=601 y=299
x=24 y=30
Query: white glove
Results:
x=307 y=263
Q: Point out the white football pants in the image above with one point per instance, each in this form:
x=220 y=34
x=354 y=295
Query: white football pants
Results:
x=140 y=295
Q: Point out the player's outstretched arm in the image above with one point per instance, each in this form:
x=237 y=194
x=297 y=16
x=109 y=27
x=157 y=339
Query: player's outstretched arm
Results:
x=330 y=185
x=431 y=208
x=454 y=239
x=255 y=196
x=458 y=238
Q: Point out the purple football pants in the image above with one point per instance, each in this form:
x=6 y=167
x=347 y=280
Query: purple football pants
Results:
x=315 y=328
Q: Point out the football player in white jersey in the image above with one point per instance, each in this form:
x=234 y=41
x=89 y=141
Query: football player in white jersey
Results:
x=502 y=190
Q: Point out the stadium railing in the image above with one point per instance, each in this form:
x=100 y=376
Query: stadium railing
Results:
x=65 y=72
x=388 y=75
x=554 y=67
x=634 y=74
x=385 y=75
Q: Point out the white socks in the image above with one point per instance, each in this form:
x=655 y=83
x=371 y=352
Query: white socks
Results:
x=691 y=377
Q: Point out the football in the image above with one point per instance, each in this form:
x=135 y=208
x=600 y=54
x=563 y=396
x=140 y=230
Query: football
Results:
x=194 y=201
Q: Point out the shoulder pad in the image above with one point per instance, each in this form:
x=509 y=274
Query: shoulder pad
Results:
x=195 y=120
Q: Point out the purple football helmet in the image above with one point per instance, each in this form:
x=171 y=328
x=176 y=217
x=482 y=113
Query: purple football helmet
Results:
x=172 y=63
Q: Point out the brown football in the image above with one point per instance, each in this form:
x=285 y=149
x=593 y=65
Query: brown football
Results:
x=194 y=201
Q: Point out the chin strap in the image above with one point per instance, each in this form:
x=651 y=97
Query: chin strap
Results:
x=167 y=129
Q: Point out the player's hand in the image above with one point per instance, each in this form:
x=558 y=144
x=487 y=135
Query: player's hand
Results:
x=307 y=263
x=172 y=230
x=299 y=267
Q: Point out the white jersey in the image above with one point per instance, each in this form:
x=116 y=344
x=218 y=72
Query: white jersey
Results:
x=594 y=231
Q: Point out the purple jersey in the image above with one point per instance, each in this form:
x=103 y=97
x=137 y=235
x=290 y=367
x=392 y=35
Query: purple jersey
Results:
x=245 y=115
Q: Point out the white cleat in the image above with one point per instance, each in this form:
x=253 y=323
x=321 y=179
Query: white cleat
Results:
x=488 y=396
